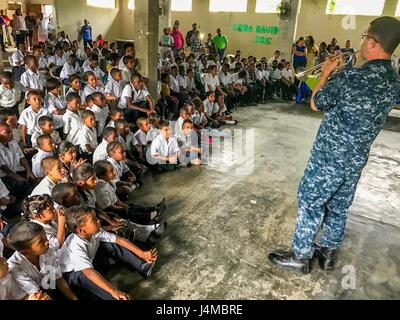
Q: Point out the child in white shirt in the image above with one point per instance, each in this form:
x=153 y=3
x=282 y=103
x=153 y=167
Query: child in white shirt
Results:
x=97 y=103
x=54 y=103
x=109 y=135
x=88 y=137
x=154 y=131
x=184 y=115
x=94 y=67
x=10 y=93
x=46 y=149
x=92 y=86
x=115 y=114
x=70 y=68
x=54 y=170
x=46 y=126
x=72 y=121
x=114 y=86
x=75 y=86
x=31 y=80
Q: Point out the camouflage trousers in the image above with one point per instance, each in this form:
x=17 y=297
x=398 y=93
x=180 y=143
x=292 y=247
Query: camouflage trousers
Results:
x=324 y=196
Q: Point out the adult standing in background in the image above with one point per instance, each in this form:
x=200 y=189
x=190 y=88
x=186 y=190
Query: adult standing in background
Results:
x=20 y=28
x=2 y=23
x=7 y=22
x=333 y=48
x=86 y=33
x=42 y=28
x=190 y=34
x=312 y=52
x=299 y=54
x=349 y=49
x=221 y=43
x=178 y=38
x=30 y=22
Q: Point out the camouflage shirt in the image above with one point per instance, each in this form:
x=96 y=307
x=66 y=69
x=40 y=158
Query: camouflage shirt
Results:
x=356 y=103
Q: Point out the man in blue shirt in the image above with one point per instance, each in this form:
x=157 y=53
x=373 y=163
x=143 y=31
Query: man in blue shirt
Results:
x=356 y=103
x=86 y=33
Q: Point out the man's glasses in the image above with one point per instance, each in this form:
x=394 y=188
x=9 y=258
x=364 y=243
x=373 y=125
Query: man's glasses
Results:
x=368 y=36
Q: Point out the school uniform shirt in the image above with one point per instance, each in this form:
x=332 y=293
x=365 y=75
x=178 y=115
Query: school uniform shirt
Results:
x=174 y=84
x=51 y=231
x=235 y=78
x=210 y=108
x=152 y=134
x=37 y=169
x=120 y=167
x=43 y=62
x=88 y=136
x=187 y=141
x=4 y=193
x=141 y=137
x=9 y=98
x=211 y=81
x=77 y=253
x=54 y=135
x=45 y=186
x=9 y=288
x=126 y=75
x=164 y=148
x=266 y=74
x=178 y=126
x=57 y=60
x=80 y=93
x=114 y=88
x=225 y=79
x=129 y=141
x=191 y=85
x=32 y=80
x=53 y=103
x=17 y=58
x=30 y=118
x=85 y=64
x=287 y=74
x=276 y=75
x=11 y=156
x=101 y=152
x=105 y=194
x=182 y=82
x=69 y=70
x=90 y=90
x=136 y=95
x=259 y=75
x=101 y=115
x=28 y=277
x=111 y=124
x=97 y=71
x=72 y=126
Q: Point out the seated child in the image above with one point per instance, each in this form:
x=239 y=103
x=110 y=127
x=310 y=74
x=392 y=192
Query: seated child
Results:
x=70 y=68
x=94 y=67
x=109 y=135
x=154 y=122
x=15 y=171
x=88 y=137
x=189 y=143
x=91 y=87
x=107 y=199
x=54 y=171
x=66 y=152
x=115 y=114
x=97 y=103
x=72 y=121
x=77 y=261
x=6 y=204
x=164 y=150
x=54 y=103
x=128 y=64
x=40 y=209
x=10 y=93
x=184 y=115
x=8 y=117
x=75 y=86
x=140 y=137
x=31 y=80
x=46 y=128
x=114 y=86
x=171 y=101
x=45 y=149
x=29 y=117
x=196 y=113
x=33 y=259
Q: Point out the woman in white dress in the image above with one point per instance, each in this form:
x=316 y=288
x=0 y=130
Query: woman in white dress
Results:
x=42 y=28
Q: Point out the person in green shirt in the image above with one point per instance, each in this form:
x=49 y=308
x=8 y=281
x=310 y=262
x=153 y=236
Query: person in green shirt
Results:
x=221 y=43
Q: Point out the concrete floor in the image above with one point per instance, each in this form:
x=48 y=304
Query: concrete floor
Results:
x=222 y=226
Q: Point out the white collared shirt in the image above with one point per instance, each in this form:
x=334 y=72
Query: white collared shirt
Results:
x=77 y=253
x=42 y=62
x=54 y=135
x=11 y=157
x=57 y=60
x=90 y=90
x=225 y=79
x=287 y=74
x=51 y=234
x=10 y=98
x=111 y=124
x=182 y=82
x=69 y=70
x=105 y=194
x=120 y=167
x=97 y=71
x=101 y=152
x=101 y=114
x=72 y=126
x=17 y=58
x=211 y=81
x=191 y=85
x=152 y=134
x=37 y=169
x=30 y=118
x=32 y=80
x=174 y=83
x=164 y=148
x=88 y=136
x=210 y=108
x=130 y=92
x=53 y=103
x=126 y=74
x=114 y=88
x=45 y=186
x=129 y=141
x=178 y=126
x=9 y=289
x=28 y=277
x=141 y=137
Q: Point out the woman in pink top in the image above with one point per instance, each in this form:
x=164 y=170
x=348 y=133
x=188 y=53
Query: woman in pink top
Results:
x=178 y=39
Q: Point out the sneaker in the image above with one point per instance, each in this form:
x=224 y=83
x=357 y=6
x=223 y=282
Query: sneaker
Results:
x=147 y=269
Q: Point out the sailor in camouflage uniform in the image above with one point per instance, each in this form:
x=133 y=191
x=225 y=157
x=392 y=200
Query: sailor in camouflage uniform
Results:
x=356 y=103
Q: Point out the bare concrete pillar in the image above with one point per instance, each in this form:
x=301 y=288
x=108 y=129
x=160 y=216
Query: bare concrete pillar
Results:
x=287 y=32
x=146 y=32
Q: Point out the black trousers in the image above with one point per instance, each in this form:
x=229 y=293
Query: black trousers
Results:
x=288 y=91
x=85 y=288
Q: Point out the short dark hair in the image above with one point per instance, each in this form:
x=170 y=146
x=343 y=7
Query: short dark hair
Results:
x=87 y=74
x=87 y=113
x=74 y=77
x=126 y=59
x=52 y=83
x=32 y=93
x=94 y=57
x=5 y=113
x=84 y=172
x=164 y=124
x=42 y=138
x=29 y=58
x=114 y=71
x=61 y=192
x=120 y=123
x=101 y=167
x=76 y=216
x=73 y=96
x=108 y=131
x=113 y=146
x=387 y=31
x=44 y=119
x=6 y=75
x=23 y=233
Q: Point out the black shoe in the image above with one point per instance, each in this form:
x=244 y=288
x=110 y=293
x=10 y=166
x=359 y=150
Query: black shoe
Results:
x=160 y=210
x=287 y=260
x=159 y=229
x=325 y=257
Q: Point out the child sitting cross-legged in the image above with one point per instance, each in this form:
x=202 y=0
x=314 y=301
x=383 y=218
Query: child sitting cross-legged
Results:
x=66 y=152
x=40 y=209
x=87 y=140
x=46 y=149
x=34 y=265
x=87 y=243
x=115 y=114
x=189 y=143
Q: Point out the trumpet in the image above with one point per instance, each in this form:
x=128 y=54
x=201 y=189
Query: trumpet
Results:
x=346 y=58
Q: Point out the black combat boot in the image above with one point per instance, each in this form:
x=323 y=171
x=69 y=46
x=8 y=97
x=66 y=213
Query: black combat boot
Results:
x=325 y=257
x=288 y=260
